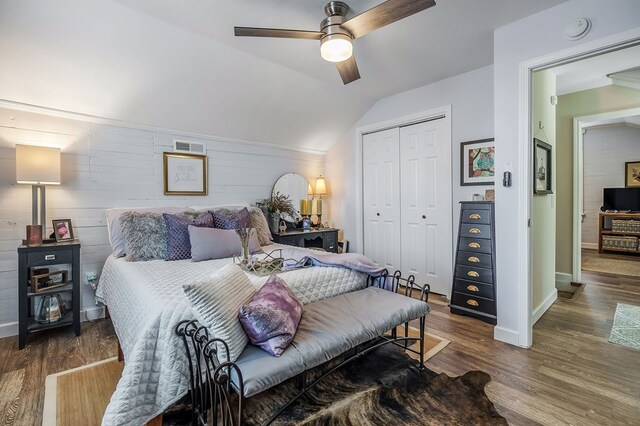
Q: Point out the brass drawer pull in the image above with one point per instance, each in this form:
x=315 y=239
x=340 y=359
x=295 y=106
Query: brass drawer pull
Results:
x=474 y=231
x=473 y=274
x=473 y=288
x=474 y=245
x=472 y=302
x=475 y=216
x=473 y=259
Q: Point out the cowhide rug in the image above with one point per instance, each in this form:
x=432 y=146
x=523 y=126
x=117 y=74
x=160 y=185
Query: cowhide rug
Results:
x=383 y=387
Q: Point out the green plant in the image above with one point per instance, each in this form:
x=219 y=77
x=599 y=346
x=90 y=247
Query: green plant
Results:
x=278 y=203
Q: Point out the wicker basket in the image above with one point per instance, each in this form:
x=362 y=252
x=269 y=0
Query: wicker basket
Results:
x=619 y=242
x=625 y=225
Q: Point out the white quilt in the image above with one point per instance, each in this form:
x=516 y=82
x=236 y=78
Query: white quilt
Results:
x=146 y=302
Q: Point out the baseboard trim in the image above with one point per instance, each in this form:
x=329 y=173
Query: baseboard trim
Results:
x=506 y=335
x=563 y=277
x=590 y=246
x=542 y=308
x=9 y=329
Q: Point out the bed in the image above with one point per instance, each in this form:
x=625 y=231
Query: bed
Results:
x=146 y=301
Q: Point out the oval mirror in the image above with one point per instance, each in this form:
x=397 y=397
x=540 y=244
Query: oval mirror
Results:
x=295 y=186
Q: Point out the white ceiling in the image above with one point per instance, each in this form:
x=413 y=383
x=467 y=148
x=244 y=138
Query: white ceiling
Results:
x=592 y=72
x=176 y=64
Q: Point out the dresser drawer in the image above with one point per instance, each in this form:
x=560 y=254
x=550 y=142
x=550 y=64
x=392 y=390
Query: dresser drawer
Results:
x=475 y=245
x=474 y=289
x=474 y=303
x=474 y=274
x=475 y=216
x=474 y=260
x=475 y=231
x=49 y=257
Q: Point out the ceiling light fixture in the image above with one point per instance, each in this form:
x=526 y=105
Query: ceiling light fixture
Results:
x=336 y=48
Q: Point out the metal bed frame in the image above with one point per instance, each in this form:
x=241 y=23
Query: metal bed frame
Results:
x=211 y=390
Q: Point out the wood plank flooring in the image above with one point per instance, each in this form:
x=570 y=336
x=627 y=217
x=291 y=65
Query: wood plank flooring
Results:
x=572 y=375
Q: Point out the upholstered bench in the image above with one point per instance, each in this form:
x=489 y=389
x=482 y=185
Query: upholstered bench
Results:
x=329 y=328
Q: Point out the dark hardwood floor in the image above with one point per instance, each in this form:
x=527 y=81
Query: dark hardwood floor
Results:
x=571 y=375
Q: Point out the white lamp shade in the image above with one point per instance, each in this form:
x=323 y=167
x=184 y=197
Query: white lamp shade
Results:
x=37 y=165
x=321 y=186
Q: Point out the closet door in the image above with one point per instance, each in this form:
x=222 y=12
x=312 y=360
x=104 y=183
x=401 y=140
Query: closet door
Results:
x=426 y=221
x=381 y=197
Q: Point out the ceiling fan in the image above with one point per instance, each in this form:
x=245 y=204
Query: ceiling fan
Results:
x=337 y=33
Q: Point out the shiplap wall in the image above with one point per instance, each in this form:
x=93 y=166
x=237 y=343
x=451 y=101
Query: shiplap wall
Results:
x=606 y=149
x=107 y=166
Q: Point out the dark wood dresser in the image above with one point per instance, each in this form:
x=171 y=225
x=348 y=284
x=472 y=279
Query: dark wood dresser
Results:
x=474 y=282
x=323 y=238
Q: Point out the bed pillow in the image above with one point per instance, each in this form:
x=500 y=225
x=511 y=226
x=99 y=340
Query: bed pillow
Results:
x=178 y=245
x=116 y=237
x=145 y=235
x=272 y=316
x=216 y=302
x=214 y=243
x=260 y=224
x=226 y=219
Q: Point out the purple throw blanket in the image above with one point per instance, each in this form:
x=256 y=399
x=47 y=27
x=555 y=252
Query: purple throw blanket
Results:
x=354 y=261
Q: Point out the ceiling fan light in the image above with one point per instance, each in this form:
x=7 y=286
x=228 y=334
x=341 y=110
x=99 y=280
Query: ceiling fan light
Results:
x=336 y=48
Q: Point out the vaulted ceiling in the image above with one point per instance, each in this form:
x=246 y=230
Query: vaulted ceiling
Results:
x=176 y=64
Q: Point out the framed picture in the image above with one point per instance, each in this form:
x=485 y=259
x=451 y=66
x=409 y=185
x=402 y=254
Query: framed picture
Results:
x=489 y=194
x=185 y=174
x=477 y=162
x=63 y=230
x=541 y=168
x=632 y=174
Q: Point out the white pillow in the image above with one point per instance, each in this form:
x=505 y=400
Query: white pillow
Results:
x=116 y=237
x=216 y=302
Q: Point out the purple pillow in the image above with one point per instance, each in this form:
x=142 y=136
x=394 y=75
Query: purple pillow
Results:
x=178 y=245
x=241 y=219
x=271 y=317
x=213 y=243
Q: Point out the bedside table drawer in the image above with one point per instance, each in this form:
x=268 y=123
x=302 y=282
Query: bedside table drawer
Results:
x=49 y=257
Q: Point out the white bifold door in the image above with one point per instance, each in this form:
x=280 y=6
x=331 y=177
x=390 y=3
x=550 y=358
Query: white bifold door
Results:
x=407 y=202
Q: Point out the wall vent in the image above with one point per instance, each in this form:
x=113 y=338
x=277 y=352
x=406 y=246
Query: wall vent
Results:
x=190 y=147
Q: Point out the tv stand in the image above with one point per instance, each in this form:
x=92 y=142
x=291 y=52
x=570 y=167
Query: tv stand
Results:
x=621 y=239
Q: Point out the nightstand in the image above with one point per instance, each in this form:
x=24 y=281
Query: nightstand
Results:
x=34 y=260
x=324 y=238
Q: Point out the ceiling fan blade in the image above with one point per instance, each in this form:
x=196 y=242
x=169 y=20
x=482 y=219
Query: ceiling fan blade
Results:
x=277 y=33
x=348 y=70
x=384 y=14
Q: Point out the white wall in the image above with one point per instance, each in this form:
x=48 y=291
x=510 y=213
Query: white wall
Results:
x=606 y=149
x=529 y=38
x=543 y=207
x=471 y=98
x=106 y=166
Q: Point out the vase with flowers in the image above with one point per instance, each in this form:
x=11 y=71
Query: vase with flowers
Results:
x=274 y=206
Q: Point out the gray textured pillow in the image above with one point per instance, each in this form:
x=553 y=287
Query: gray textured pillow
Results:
x=260 y=224
x=145 y=235
x=214 y=243
x=216 y=302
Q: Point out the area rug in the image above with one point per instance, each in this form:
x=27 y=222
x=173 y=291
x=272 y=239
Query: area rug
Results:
x=626 y=326
x=79 y=396
x=629 y=267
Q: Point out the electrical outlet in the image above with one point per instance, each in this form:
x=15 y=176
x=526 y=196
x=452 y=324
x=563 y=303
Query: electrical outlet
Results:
x=92 y=277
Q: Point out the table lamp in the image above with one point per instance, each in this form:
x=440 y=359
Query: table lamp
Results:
x=321 y=191
x=38 y=166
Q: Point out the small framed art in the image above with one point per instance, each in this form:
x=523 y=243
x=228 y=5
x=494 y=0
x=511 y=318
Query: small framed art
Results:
x=63 y=230
x=632 y=174
x=542 y=183
x=185 y=174
x=477 y=162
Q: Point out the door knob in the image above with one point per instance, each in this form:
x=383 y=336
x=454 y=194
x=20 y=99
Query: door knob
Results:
x=424 y=216
x=377 y=214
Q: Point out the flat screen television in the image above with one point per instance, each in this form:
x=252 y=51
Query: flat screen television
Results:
x=621 y=199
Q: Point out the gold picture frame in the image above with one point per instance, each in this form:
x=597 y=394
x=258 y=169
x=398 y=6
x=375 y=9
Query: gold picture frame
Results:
x=632 y=174
x=184 y=174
